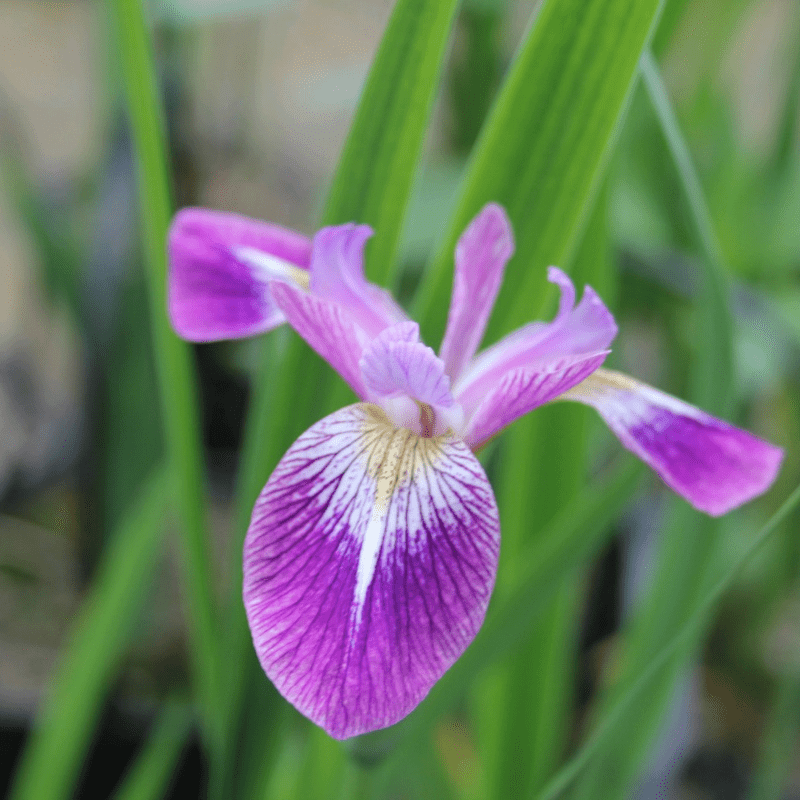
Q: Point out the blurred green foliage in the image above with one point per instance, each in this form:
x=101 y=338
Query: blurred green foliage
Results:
x=649 y=192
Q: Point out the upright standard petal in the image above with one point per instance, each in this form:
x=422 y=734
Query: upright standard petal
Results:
x=536 y=363
x=481 y=256
x=712 y=464
x=337 y=273
x=220 y=267
x=368 y=567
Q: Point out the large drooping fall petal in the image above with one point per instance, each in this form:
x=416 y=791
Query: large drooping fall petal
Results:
x=368 y=567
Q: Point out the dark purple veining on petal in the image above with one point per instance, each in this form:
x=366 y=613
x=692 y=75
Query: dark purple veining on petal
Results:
x=354 y=666
x=522 y=390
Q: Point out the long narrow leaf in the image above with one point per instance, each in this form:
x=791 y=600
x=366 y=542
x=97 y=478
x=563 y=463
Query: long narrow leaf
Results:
x=546 y=454
x=688 y=631
x=690 y=543
x=103 y=626
x=379 y=161
x=372 y=184
x=173 y=357
x=543 y=148
x=715 y=374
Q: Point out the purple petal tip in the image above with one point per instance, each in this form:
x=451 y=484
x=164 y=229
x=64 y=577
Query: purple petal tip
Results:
x=712 y=464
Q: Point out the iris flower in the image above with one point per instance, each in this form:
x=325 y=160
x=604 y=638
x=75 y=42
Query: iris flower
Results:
x=373 y=547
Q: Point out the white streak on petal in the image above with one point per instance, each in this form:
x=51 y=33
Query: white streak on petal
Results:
x=267 y=267
x=212 y=293
x=368 y=558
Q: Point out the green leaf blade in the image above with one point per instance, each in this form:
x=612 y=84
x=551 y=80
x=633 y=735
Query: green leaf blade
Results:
x=373 y=185
x=543 y=149
x=373 y=182
x=174 y=361
x=688 y=560
x=53 y=754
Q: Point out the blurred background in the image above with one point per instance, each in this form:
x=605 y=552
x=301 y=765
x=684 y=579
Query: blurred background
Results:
x=259 y=95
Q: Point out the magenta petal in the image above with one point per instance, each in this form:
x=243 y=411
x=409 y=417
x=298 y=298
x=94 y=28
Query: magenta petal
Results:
x=712 y=464
x=481 y=256
x=337 y=273
x=521 y=390
x=536 y=363
x=220 y=266
x=368 y=567
x=328 y=327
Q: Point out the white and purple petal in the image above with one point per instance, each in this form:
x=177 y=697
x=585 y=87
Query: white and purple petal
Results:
x=711 y=463
x=536 y=363
x=221 y=266
x=481 y=256
x=368 y=567
x=337 y=273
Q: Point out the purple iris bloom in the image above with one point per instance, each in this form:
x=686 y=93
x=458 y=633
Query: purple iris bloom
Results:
x=372 y=550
